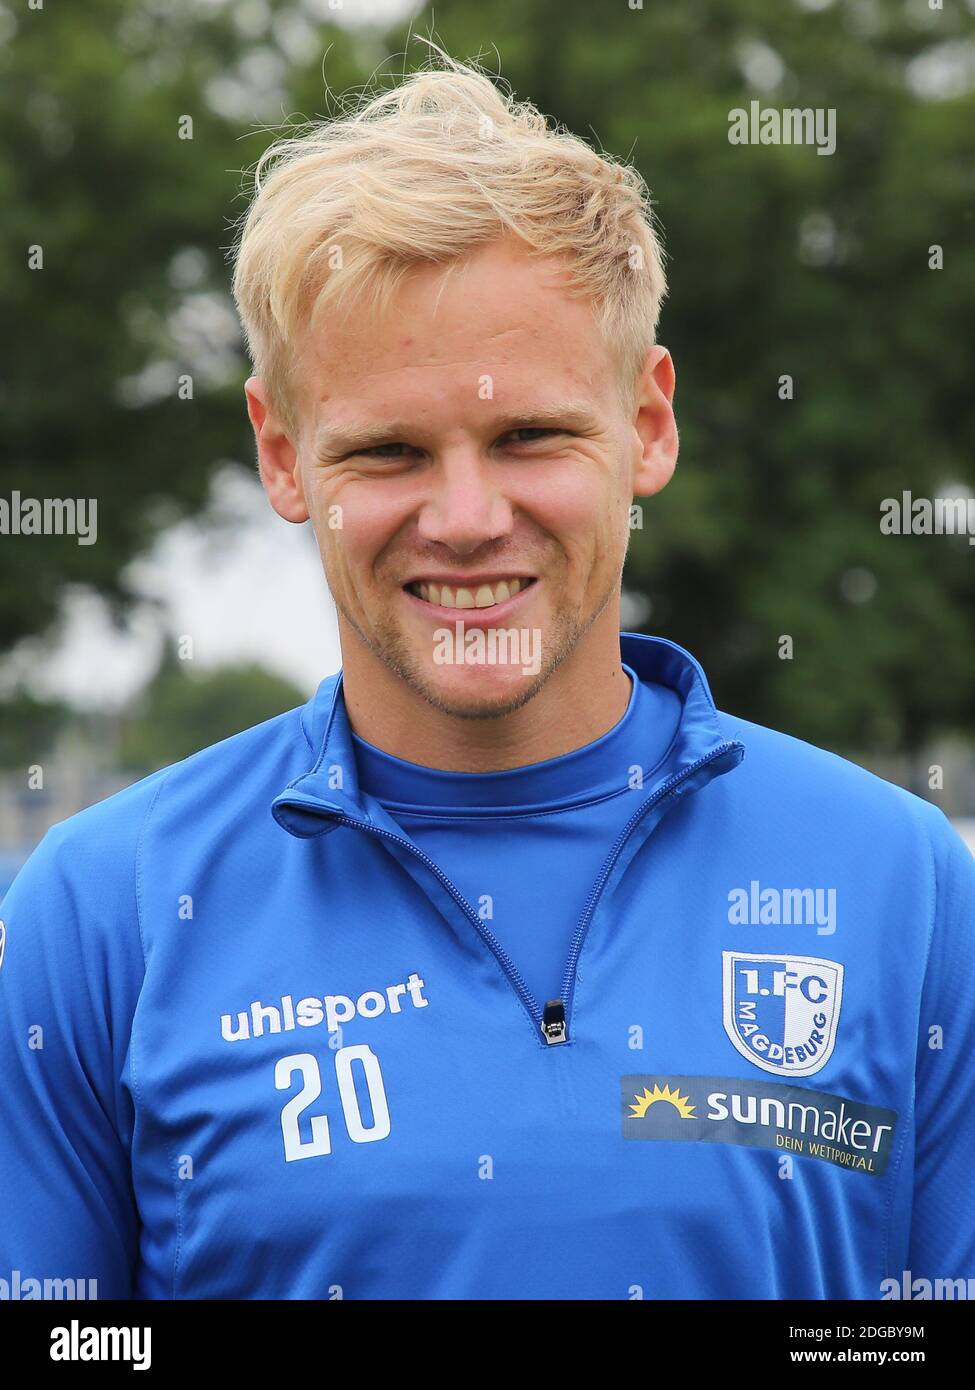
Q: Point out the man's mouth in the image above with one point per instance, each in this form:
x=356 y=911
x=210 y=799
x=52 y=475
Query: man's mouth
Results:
x=467 y=596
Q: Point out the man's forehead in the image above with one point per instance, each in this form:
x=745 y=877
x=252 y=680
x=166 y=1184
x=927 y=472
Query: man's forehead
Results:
x=474 y=314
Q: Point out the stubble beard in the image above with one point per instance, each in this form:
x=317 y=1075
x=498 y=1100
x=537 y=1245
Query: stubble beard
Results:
x=388 y=644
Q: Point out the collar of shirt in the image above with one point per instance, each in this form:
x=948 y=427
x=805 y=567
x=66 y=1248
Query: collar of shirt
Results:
x=329 y=794
x=582 y=776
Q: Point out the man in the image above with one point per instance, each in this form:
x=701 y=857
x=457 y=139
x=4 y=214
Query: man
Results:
x=507 y=967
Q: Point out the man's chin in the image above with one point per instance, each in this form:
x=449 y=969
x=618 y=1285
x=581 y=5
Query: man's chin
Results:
x=478 y=693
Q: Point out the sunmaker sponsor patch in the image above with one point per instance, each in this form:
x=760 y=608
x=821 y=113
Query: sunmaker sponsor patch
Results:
x=759 y=1114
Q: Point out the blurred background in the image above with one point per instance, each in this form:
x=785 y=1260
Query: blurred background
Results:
x=820 y=317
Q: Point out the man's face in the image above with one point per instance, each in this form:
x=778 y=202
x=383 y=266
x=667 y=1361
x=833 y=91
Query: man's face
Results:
x=467 y=461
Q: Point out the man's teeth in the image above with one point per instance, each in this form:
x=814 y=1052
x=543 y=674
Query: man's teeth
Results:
x=485 y=596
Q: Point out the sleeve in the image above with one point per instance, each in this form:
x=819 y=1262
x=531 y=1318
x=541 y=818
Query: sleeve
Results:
x=70 y=974
x=942 y=1243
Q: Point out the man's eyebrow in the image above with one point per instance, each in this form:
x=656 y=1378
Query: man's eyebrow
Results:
x=367 y=433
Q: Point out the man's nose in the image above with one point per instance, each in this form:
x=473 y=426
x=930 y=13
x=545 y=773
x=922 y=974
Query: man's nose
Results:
x=465 y=507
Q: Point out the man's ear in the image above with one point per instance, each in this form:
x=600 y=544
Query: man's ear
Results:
x=277 y=456
x=654 y=423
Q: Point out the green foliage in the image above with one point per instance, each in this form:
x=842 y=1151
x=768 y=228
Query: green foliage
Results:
x=28 y=728
x=182 y=711
x=134 y=225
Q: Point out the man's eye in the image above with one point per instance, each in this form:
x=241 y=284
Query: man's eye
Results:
x=530 y=429
x=376 y=448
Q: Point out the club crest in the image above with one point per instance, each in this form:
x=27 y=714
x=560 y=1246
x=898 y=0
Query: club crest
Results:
x=781 y=1011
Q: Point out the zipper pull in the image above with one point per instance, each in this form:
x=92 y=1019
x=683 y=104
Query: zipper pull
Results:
x=553 y=1021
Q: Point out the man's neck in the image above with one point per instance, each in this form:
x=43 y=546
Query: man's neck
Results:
x=585 y=697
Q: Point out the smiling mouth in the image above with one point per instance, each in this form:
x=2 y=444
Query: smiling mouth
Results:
x=474 y=596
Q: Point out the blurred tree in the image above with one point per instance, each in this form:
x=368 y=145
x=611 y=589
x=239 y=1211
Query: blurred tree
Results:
x=29 y=728
x=182 y=710
x=126 y=129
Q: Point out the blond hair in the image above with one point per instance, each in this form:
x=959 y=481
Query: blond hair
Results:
x=422 y=173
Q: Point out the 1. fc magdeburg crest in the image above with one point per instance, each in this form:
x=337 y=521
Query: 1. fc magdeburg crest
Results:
x=781 y=1012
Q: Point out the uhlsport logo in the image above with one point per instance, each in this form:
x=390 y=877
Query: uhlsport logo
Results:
x=781 y=1011
x=759 y=1114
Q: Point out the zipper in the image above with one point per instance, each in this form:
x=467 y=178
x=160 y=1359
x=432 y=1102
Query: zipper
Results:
x=575 y=948
x=552 y=1021
x=504 y=960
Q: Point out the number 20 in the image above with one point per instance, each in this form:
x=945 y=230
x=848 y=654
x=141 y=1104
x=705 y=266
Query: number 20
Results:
x=305 y=1062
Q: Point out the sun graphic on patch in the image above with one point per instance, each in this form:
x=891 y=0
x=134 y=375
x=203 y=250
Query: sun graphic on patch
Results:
x=641 y=1104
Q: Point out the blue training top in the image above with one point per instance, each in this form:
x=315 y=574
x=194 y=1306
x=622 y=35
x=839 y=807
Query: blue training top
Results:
x=257 y=1043
x=494 y=834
